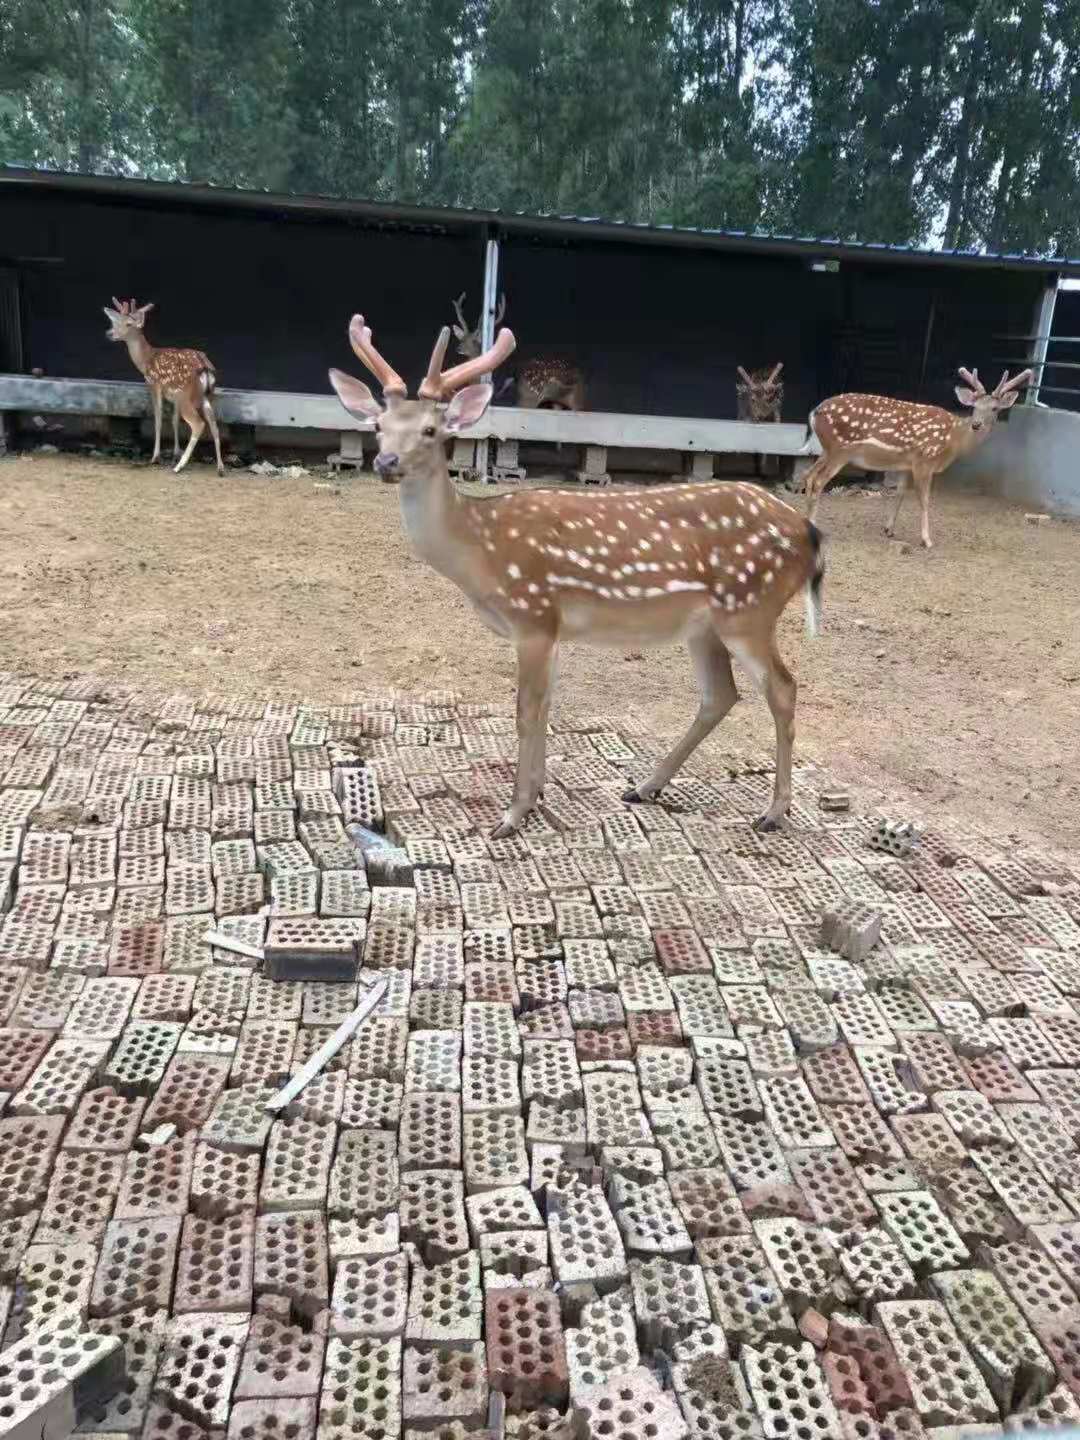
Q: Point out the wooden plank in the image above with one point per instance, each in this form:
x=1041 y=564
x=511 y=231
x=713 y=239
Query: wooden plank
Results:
x=650 y=432
x=683 y=434
x=228 y=942
x=327 y=1051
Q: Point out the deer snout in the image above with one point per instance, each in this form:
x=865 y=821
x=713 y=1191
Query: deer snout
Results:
x=386 y=465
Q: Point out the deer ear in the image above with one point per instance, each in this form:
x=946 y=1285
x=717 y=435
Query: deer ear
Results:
x=355 y=396
x=466 y=408
x=965 y=396
x=113 y=315
x=459 y=333
x=1009 y=398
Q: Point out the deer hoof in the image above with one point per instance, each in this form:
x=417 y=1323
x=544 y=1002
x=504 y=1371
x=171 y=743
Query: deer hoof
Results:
x=639 y=795
x=765 y=825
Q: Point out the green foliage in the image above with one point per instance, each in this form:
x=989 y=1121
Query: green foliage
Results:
x=927 y=121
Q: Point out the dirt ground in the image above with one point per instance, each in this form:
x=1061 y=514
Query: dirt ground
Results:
x=949 y=679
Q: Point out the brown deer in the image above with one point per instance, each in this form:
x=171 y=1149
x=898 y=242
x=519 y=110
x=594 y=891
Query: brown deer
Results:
x=919 y=440
x=759 y=395
x=544 y=382
x=712 y=565
x=186 y=377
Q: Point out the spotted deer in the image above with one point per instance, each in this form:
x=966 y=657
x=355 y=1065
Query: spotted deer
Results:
x=759 y=394
x=544 y=382
x=186 y=377
x=711 y=565
x=918 y=440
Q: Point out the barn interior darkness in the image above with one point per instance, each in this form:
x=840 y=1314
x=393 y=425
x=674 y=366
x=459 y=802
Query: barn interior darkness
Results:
x=657 y=328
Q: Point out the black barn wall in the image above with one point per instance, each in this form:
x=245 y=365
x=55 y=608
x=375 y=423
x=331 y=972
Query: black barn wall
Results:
x=269 y=300
x=660 y=331
x=657 y=330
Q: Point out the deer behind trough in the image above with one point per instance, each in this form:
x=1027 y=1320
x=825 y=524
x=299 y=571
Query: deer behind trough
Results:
x=186 y=377
x=544 y=382
x=879 y=433
x=712 y=565
x=759 y=395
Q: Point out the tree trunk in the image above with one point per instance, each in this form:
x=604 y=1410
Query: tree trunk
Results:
x=954 y=224
x=87 y=150
x=1017 y=136
x=739 y=61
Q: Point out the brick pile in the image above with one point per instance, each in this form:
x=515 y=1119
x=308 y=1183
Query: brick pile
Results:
x=662 y=1127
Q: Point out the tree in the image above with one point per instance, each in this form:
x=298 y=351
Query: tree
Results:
x=912 y=121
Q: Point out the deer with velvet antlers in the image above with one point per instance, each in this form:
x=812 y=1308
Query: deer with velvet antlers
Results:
x=544 y=382
x=186 y=377
x=713 y=565
x=759 y=394
x=917 y=440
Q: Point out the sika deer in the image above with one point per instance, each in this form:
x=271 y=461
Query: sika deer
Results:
x=185 y=376
x=759 y=395
x=921 y=440
x=713 y=565
x=544 y=382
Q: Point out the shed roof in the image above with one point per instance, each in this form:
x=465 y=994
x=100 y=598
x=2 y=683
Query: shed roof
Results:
x=464 y=221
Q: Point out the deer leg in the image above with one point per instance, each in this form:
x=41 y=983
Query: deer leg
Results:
x=155 y=396
x=712 y=666
x=923 y=481
x=211 y=420
x=770 y=674
x=890 y=528
x=198 y=425
x=536 y=679
x=175 y=430
x=817 y=477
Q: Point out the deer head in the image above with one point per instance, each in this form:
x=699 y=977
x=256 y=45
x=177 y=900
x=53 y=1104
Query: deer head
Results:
x=763 y=390
x=412 y=433
x=125 y=318
x=986 y=406
x=468 y=339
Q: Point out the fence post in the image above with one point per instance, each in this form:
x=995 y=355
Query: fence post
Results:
x=1044 y=322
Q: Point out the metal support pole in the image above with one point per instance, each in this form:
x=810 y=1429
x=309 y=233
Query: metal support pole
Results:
x=1044 y=323
x=487 y=330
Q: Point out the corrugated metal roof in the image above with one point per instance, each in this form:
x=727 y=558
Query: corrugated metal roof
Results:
x=461 y=220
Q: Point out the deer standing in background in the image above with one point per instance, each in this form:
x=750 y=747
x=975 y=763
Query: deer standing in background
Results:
x=545 y=382
x=713 y=565
x=186 y=377
x=760 y=396
x=918 y=440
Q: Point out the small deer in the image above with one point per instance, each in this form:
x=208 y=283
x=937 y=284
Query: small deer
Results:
x=467 y=336
x=759 y=395
x=712 y=565
x=918 y=440
x=186 y=377
x=544 y=382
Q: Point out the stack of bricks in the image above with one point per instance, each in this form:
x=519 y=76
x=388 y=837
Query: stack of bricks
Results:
x=661 y=1128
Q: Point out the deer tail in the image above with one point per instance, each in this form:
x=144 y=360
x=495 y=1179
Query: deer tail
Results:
x=810 y=432
x=817 y=577
x=207 y=378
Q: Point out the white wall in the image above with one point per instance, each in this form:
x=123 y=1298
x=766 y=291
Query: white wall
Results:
x=1033 y=458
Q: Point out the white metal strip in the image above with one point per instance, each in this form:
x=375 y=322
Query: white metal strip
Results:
x=326 y=1052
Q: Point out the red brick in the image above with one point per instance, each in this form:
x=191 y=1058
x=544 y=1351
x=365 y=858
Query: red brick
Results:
x=526 y=1353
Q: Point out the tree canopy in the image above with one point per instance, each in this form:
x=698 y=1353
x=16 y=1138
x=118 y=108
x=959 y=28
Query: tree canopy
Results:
x=917 y=121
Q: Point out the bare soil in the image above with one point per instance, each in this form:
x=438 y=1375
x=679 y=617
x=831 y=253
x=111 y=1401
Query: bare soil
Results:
x=949 y=679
